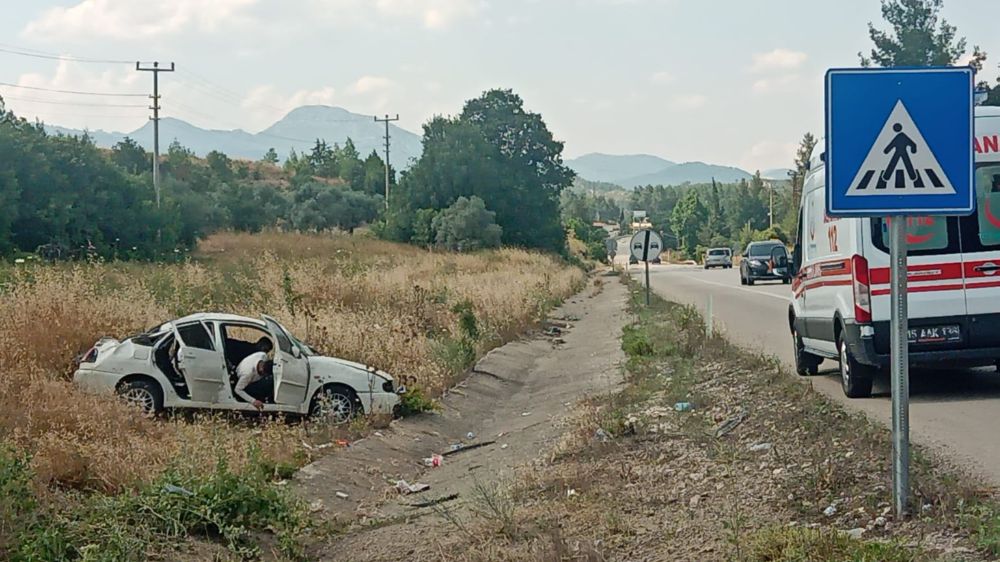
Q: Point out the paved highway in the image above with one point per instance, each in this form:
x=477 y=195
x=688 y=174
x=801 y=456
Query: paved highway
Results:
x=955 y=412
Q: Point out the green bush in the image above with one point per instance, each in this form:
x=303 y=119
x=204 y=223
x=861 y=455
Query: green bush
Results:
x=636 y=341
x=232 y=506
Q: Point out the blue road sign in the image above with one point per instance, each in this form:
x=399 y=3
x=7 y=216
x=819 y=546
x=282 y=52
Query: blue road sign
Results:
x=899 y=141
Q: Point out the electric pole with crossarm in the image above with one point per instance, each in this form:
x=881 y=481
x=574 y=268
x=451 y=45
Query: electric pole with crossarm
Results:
x=156 y=70
x=387 y=120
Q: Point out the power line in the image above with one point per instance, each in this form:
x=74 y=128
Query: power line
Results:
x=69 y=58
x=75 y=92
x=79 y=104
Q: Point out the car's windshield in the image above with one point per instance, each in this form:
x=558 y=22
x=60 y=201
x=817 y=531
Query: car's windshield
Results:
x=763 y=251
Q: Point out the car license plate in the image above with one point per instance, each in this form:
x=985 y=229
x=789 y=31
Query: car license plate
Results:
x=935 y=334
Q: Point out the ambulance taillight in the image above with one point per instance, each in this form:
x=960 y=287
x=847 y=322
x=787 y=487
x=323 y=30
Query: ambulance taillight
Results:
x=862 y=290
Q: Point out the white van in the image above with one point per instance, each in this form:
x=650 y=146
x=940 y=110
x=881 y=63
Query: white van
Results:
x=840 y=303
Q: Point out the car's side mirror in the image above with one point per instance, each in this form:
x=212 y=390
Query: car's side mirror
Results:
x=796 y=262
x=295 y=352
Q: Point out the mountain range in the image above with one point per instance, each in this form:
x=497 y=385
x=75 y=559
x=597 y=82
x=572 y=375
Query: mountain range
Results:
x=632 y=170
x=298 y=130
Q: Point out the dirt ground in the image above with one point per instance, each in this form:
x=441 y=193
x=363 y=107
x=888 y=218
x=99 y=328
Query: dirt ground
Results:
x=518 y=397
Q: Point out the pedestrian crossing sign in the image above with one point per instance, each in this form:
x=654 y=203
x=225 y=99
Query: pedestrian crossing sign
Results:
x=899 y=141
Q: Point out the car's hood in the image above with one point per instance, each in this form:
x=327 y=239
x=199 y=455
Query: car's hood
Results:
x=318 y=361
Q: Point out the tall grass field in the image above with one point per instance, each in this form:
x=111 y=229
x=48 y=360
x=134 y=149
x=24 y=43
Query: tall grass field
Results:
x=419 y=315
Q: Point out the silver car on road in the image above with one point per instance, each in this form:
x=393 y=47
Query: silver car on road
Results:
x=719 y=257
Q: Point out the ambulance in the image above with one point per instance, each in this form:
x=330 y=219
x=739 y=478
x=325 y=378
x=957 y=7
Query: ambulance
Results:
x=840 y=290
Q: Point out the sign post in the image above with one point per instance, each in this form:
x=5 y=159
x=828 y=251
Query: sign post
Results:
x=645 y=246
x=900 y=369
x=899 y=145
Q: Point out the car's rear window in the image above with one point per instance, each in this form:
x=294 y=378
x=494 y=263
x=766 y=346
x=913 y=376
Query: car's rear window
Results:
x=718 y=253
x=763 y=250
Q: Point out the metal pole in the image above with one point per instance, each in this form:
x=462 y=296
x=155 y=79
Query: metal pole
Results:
x=709 y=324
x=899 y=348
x=387 y=120
x=156 y=133
x=647 y=282
x=156 y=70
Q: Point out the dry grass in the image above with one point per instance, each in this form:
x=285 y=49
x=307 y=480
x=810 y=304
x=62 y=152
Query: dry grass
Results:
x=384 y=304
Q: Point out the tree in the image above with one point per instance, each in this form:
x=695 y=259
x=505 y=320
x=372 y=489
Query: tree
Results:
x=687 y=219
x=497 y=151
x=131 y=157
x=220 y=165
x=270 y=157
x=919 y=37
x=318 y=206
x=467 y=225
x=798 y=177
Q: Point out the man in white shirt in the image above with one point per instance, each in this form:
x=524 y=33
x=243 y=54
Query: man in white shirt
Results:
x=255 y=375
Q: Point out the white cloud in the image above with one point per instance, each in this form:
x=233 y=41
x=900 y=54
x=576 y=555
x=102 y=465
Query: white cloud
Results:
x=777 y=60
x=768 y=154
x=683 y=102
x=70 y=110
x=781 y=83
x=432 y=14
x=134 y=19
x=371 y=84
x=661 y=77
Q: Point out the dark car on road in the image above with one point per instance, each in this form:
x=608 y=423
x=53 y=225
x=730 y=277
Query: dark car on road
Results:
x=765 y=261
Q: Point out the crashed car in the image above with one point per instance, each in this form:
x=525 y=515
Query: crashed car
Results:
x=191 y=363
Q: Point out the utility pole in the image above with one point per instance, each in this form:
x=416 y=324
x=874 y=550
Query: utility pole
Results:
x=770 y=204
x=156 y=70
x=386 y=120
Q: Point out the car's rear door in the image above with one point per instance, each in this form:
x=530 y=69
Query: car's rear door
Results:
x=200 y=360
x=981 y=256
x=935 y=281
x=291 y=367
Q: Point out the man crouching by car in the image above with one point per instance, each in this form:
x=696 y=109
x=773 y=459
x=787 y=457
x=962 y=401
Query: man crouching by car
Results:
x=255 y=374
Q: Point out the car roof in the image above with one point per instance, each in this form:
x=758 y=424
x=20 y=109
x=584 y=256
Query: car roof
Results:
x=217 y=317
x=767 y=243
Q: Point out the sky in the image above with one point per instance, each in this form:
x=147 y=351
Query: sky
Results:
x=734 y=82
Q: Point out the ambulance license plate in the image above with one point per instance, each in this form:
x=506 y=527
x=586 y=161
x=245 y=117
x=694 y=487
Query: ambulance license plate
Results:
x=935 y=334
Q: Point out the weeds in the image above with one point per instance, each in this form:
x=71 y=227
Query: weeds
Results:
x=377 y=303
x=809 y=545
x=494 y=503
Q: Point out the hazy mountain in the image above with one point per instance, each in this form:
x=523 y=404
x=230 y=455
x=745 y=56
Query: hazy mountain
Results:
x=613 y=168
x=779 y=174
x=299 y=130
x=688 y=172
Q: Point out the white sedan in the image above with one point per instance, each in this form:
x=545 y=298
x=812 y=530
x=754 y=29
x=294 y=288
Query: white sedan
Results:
x=191 y=363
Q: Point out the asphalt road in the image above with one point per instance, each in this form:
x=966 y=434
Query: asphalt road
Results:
x=952 y=411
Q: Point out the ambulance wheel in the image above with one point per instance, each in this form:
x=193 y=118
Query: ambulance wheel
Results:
x=855 y=378
x=806 y=364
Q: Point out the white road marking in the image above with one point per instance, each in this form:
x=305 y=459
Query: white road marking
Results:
x=744 y=289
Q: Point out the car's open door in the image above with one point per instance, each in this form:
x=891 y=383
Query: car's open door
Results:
x=291 y=367
x=200 y=361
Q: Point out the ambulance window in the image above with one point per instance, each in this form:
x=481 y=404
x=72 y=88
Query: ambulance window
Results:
x=926 y=235
x=988 y=204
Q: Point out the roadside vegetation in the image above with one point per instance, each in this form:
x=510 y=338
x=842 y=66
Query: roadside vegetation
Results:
x=84 y=477
x=711 y=453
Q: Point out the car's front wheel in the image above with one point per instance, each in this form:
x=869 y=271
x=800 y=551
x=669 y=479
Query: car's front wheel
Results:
x=335 y=404
x=142 y=394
